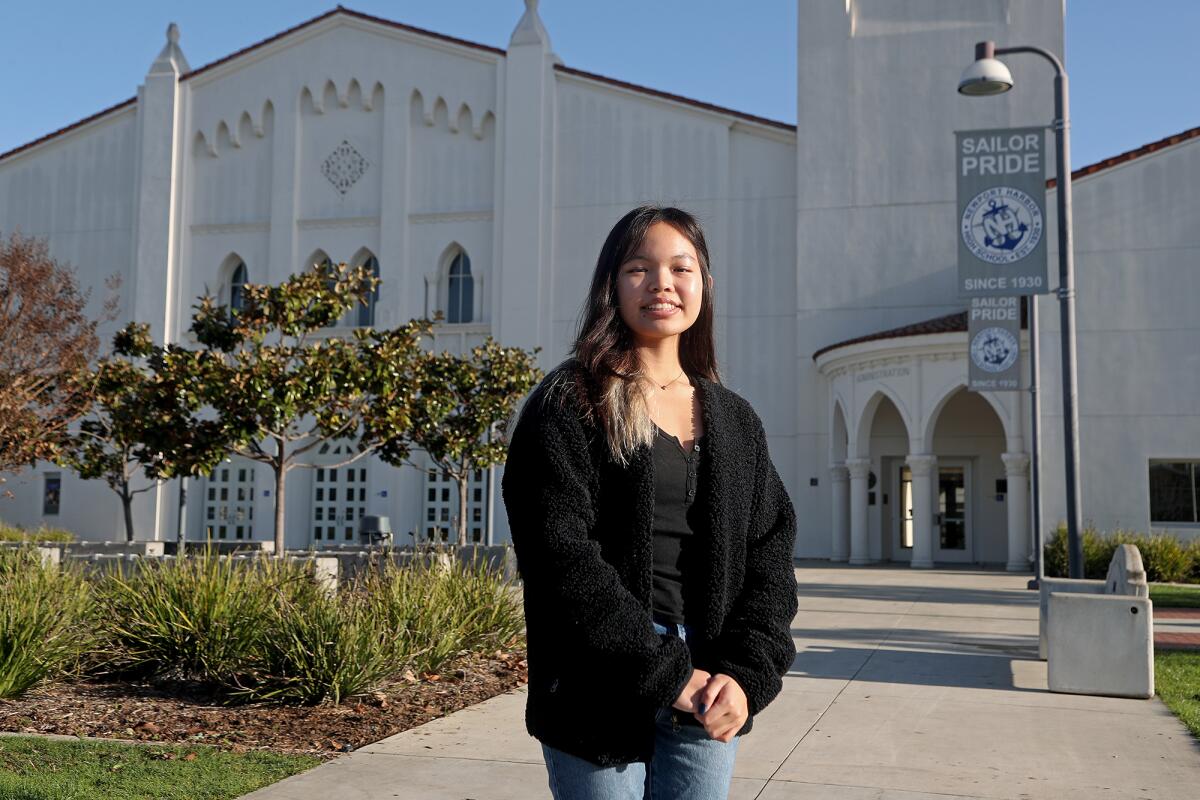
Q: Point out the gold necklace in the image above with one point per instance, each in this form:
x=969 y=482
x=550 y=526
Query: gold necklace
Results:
x=663 y=386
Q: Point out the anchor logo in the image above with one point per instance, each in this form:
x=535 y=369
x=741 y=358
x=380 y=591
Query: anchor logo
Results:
x=994 y=350
x=1002 y=225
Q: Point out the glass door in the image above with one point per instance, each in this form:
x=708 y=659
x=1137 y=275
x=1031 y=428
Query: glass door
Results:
x=953 y=512
x=902 y=539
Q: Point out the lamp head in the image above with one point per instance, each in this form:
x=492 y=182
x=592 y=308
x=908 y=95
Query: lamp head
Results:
x=986 y=75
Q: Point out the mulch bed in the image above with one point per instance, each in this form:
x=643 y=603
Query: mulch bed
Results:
x=174 y=713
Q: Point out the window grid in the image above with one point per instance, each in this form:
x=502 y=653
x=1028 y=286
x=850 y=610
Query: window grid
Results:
x=229 y=503
x=441 y=506
x=339 y=497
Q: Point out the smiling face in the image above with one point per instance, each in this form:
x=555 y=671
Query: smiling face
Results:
x=660 y=285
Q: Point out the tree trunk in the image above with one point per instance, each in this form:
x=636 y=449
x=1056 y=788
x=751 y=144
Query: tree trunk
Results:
x=127 y=504
x=461 y=479
x=280 y=483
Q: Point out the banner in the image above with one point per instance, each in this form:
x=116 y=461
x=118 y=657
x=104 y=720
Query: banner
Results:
x=994 y=344
x=1001 y=212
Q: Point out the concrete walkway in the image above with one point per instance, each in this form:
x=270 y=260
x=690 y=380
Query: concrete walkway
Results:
x=908 y=685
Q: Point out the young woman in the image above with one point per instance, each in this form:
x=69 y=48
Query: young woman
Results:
x=653 y=536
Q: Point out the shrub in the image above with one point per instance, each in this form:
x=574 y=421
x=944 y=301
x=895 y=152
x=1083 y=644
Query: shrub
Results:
x=199 y=618
x=42 y=534
x=1193 y=548
x=1164 y=557
x=318 y=646
x=435 y=612
x=46 y=616
x=1097 y=553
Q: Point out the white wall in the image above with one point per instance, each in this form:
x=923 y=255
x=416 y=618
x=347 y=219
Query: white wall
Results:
x=1137 y=248
x=876 y=111
x=76 y=191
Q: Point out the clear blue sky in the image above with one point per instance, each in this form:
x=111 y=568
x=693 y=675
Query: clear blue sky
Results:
x=62 y=60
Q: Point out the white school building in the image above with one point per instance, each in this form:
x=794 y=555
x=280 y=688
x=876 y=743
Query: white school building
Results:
x=482 y=182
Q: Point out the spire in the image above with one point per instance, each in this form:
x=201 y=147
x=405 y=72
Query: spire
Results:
x=530 y=29
x=171 y=58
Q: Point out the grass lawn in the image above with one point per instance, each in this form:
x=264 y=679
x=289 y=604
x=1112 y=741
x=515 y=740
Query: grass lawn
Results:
x=1170 y=595
x=34 y=768
x=1177 y=681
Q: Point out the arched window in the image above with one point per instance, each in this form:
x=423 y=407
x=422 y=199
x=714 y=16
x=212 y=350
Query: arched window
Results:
x=237 y=287
x=326 y=263
x=366 y=313
x=460 y=294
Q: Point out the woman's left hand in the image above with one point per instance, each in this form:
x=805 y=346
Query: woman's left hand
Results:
x=726 y=709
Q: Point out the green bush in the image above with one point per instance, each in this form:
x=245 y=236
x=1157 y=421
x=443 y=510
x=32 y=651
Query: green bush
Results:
x=200 y=618
x=249 y=629
x=1164 y=557
x=1097 y=553
x=436 y=612
x=318 y=646
x=46 y=617
x=1193 y=549
x=9 y=533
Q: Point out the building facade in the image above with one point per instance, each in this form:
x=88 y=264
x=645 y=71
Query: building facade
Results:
x=481 y=182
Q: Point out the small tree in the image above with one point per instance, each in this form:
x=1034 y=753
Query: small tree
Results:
x=139 y=424
x=107 y=443
x=465 y=404
x=261 y=388
x=46 y=342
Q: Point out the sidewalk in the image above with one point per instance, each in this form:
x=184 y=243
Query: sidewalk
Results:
x=909 y=685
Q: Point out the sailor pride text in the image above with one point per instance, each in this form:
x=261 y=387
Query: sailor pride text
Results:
x=1003 y=154
x=995 y=309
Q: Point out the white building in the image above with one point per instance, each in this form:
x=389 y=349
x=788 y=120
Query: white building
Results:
x=482 y=181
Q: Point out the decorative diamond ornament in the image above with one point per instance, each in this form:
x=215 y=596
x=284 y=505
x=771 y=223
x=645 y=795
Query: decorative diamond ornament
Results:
x=344 y=166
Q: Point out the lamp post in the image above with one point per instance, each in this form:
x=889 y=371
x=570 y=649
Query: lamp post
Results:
x=989 y=76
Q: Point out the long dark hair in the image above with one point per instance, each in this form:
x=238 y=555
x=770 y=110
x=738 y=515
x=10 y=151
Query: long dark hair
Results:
x=604 y=344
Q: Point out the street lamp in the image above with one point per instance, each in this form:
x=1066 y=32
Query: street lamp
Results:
x=988 y=76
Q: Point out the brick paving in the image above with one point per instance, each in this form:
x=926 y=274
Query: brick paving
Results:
x=1177 y=640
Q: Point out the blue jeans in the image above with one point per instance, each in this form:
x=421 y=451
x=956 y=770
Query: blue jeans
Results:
x=686 y=764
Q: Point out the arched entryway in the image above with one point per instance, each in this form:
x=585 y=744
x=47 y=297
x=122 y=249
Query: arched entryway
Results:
x=922 y=470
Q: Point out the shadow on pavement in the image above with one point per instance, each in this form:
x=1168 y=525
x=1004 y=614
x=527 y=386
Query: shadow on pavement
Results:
x=920 y=668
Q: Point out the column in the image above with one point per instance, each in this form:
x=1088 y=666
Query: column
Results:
x=524 y=274
x=155 y=273
x=924 y=468
x=840 y=478
x=860 y=550
x=1016 y=471
x=395 y=268
x=282 y=258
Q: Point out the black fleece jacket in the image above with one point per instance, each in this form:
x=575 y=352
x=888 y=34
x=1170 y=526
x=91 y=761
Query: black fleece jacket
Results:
x=582 y=529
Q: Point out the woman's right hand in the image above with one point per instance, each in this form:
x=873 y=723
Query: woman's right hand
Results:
x=685 y=701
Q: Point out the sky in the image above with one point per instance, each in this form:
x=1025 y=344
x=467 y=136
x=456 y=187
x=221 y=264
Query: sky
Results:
x=63 y=60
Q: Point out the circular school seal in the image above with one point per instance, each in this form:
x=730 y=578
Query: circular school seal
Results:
x=994 y=349
x=1001 y=225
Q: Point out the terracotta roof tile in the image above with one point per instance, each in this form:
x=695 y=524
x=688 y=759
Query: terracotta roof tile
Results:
x=69 y=128
x=1129 y=155
x=950 y=323
x=421 y=31
x=675 y=97
x=349 y=13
